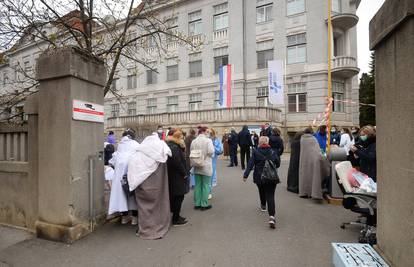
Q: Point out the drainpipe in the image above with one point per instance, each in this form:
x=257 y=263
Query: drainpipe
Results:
x=244 y=54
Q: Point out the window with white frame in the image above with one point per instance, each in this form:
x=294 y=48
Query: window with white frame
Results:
x=220 y=61
x=132 y=79
x=132 y=108
x=152 y=41
x=172 y=29
x=262 y=96
x=264 y=53
x=151 y=105
x=336 y=6
x=195 y=101
x=217 y=99
x=5 y=79
x=296 y=48
x=195 y=23
x=295 y=7
x=221 y=17
x=264 y=13
x=338 y=93
x=195 y=65
x=172 y=73
x=27 y=67
x=151 y=77
x=221 y=58
x=172 y=103
x=115 y=110
x=297 y=97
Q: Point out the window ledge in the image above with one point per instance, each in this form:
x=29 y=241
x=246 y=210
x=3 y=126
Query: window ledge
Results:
x=296 y=15
x=264 y=22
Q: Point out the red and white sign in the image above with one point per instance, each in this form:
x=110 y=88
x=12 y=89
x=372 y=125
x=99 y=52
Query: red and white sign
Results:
x=87 y=111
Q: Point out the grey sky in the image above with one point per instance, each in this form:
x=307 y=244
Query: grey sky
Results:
x=367 y=9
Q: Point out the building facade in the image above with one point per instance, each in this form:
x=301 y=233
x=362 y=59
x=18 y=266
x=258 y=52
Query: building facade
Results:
x=245 y=34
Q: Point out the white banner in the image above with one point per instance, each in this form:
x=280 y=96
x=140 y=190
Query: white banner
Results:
x=276 y=90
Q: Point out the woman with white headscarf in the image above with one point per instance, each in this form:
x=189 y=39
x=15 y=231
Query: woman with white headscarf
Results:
x=148 y=176
x=119 y=201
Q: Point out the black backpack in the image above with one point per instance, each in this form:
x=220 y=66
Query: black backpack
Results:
x=269 y=173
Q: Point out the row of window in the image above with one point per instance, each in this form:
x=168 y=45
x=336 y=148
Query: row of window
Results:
x=296 y=53
x=264 y=13
x=296 y=92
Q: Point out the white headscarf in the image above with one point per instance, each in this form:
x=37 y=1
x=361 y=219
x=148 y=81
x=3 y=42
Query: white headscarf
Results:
x=151 y=152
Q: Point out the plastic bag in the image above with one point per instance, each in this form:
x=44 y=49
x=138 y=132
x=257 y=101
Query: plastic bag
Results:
x=369 y=186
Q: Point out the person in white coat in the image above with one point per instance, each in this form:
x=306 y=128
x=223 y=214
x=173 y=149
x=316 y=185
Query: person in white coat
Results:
x=347 y=140
x=119 y=201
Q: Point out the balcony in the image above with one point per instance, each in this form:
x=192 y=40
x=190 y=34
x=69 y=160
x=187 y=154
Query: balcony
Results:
x=220 y=35
x=219 y=117
x=344 y=21
x=344 y=67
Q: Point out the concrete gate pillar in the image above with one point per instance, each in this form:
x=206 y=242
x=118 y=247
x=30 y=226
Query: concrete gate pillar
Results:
x=66 y=144
x=392 y=38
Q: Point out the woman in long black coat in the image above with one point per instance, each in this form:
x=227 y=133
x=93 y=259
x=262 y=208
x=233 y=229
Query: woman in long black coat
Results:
x=178 y=179
x=293 y=172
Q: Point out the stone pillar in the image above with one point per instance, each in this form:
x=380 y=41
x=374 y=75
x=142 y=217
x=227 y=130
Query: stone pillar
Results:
x=65 y=144
x=392 y=38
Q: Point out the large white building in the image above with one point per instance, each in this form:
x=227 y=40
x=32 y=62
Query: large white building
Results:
x=245 y=34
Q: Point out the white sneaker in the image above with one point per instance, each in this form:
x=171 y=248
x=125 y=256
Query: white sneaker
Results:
x=210 y=196
x=272 y=222
x=125 y=219
x=134 y=220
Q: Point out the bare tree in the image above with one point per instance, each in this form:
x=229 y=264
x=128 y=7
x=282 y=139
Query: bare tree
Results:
x=123 y=32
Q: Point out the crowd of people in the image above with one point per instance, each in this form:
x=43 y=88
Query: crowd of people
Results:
x=309 y=168
x=149 y=180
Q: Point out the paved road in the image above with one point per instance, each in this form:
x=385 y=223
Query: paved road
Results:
x=233 y=233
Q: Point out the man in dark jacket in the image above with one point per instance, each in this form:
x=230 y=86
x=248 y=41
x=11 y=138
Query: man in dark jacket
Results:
x=245 y=142
x=233 y=142
x=266 y=130
x=276 y=142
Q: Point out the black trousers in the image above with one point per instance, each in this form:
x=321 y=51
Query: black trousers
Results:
x=267 y=196
x=244 y=153
x=233 y=155
x=175 y=206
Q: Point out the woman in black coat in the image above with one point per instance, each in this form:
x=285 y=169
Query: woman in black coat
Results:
x=293 y=172
x=366 y=151
x=178 y=181
x=266 y=188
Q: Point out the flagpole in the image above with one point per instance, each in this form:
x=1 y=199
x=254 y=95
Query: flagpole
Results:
x=328 y=124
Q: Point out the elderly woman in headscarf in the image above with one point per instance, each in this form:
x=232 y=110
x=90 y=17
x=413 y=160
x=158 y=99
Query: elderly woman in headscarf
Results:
x=313 y=166
x=119 y=200
x=178 y=178
x=148 y=176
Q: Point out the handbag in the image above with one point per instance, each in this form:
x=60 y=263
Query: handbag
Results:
x=269 y=173
x=125 y=185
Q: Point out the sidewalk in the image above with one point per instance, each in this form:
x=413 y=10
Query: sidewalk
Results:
x=233 y=233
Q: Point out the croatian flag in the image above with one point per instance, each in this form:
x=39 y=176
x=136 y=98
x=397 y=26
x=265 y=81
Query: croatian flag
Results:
x=225 y=86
